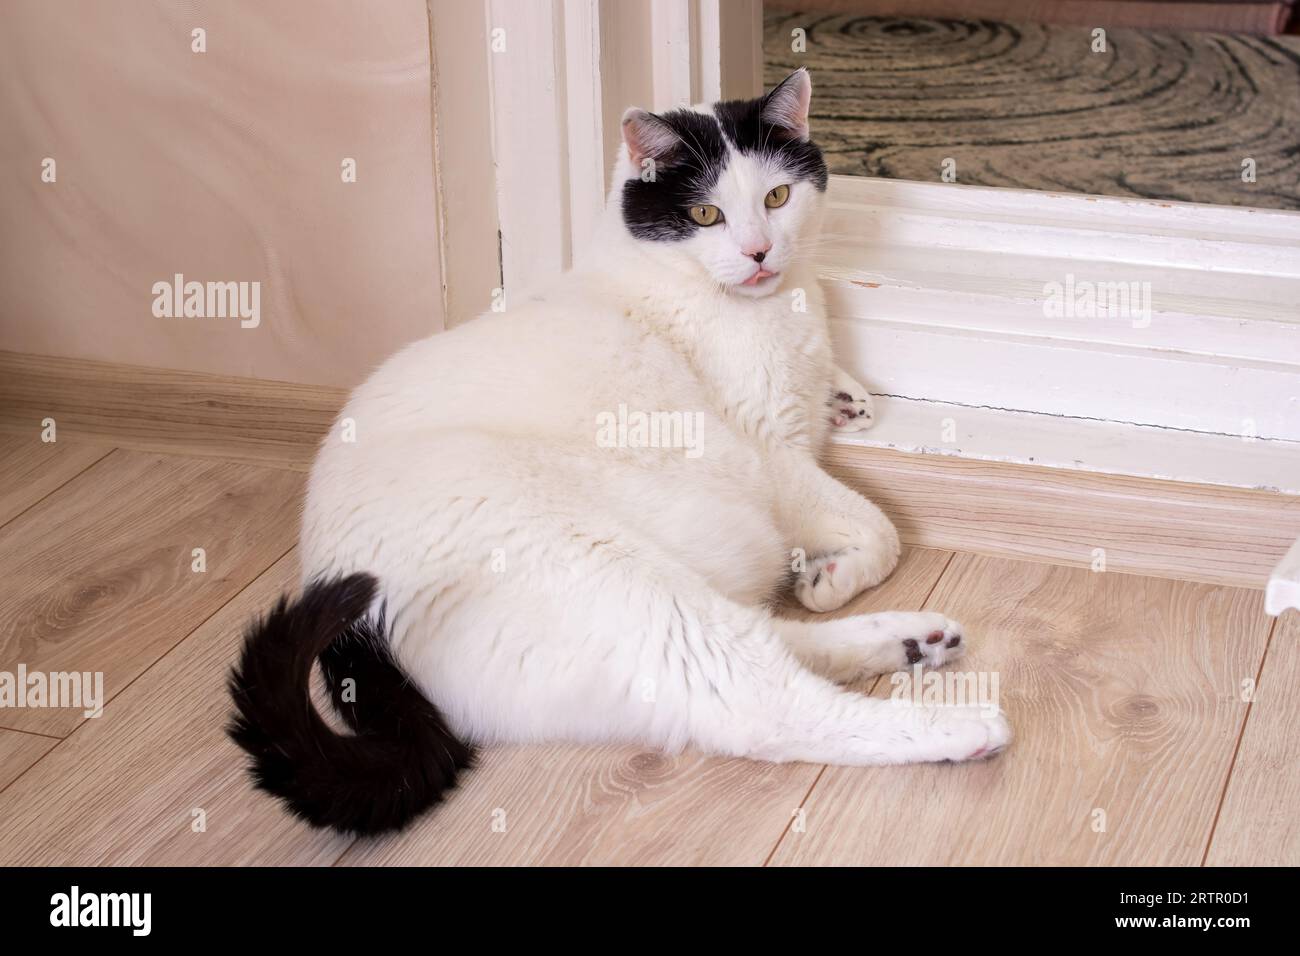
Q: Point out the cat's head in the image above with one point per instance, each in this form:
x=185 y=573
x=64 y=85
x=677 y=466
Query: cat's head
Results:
x=736 y=186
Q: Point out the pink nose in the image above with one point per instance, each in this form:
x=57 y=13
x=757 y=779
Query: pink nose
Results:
x=756 y=251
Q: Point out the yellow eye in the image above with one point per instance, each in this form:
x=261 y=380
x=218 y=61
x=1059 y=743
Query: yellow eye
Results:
x=777 y=197
x=706 y=215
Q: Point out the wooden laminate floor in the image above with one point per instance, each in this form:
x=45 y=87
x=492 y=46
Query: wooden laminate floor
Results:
x=1156 y=719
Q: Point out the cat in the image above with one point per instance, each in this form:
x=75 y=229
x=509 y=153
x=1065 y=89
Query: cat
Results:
x=569 y=520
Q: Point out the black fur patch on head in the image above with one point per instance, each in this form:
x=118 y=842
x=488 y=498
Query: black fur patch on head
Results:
x=744 y=126
x=658 y=209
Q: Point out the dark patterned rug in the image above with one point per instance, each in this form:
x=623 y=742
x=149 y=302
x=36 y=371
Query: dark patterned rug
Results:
x=1157 y=115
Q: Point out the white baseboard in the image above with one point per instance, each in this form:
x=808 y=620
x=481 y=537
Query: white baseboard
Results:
x=1053 y=441
x=943 y=293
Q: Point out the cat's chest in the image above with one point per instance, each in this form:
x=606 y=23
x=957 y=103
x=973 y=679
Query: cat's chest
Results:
x=768 y=366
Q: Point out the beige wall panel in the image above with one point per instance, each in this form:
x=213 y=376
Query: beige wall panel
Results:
x=223 y=166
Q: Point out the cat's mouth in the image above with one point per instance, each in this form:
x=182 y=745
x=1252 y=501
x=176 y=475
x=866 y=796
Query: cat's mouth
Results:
x=759 y=275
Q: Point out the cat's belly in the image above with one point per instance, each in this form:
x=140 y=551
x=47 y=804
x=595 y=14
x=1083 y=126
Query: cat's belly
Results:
x=718 y=523
x=612 y=430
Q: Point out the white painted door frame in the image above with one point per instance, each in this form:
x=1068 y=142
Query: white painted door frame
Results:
x=558 y=77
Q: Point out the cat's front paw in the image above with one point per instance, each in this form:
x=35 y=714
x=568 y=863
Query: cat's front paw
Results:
x=852 y=411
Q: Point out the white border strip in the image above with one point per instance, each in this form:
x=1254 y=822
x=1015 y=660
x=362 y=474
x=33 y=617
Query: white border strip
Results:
x=986 y=434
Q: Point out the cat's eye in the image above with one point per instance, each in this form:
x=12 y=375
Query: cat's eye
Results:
x=777 y=197
x=706 y=215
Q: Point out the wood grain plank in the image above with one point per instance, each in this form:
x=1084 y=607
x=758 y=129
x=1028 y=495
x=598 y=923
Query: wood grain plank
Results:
x=122 y=789
x=568 y=805
x=1146 y=526
x=276 y=424
x=1259 y=823
x=30 y=469
x=100 y=575
x=1123 y=692
x=18 y=752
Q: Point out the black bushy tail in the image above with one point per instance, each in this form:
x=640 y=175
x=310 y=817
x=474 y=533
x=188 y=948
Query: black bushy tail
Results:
x=402 y=757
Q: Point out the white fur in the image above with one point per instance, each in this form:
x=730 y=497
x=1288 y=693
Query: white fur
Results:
x=540 y=586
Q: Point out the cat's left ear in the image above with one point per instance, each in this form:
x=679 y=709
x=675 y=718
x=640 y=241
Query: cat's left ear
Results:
x=786 y=107
x=648 y=137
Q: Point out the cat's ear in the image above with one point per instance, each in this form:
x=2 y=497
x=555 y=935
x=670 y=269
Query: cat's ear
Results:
x=647 y=136
x=786 y=107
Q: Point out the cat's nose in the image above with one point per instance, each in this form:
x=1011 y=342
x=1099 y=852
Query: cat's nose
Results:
x=757 y=254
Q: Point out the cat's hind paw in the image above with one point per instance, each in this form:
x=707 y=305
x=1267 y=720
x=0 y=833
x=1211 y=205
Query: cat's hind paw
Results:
x=832 y=580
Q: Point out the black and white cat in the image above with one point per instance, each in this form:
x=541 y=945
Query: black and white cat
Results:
x=488 y=557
